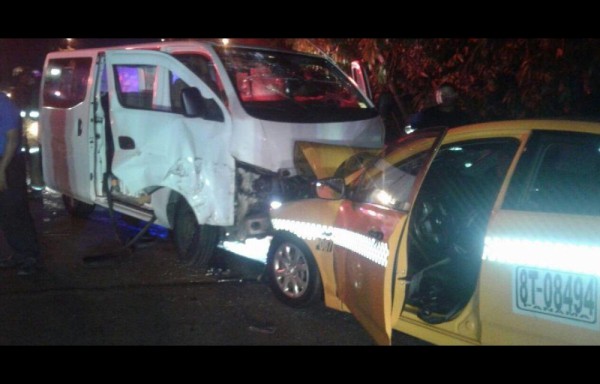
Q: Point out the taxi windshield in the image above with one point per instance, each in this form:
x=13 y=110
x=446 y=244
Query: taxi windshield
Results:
x=293 y=87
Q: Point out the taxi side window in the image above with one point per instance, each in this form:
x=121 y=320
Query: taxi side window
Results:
x=388 y=184
x=559 y=173
x=467 y=175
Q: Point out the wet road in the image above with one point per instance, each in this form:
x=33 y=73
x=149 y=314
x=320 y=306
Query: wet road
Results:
x=146 y=298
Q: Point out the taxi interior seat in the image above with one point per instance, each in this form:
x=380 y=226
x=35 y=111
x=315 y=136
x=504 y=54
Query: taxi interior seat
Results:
x=444 y=278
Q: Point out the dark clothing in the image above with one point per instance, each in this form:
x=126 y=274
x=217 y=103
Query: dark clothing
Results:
x=435 y=117
x=15 y=220
x=391 y=116
x=9 y=119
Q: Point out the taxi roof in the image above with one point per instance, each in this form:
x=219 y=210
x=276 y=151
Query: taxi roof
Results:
x=505 y=128
x=533 y=124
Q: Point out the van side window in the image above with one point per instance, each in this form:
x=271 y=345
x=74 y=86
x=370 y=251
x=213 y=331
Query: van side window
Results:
x=176 y=85
x=135 y=85
x=204 y=68
x=65 y=82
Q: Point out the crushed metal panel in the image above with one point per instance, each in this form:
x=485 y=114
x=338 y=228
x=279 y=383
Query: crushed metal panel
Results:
x=270 y=145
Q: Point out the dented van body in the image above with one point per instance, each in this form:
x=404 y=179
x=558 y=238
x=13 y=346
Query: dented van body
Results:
x=196 y=136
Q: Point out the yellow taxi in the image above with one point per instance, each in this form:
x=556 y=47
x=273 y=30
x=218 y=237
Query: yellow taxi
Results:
x=482 y=234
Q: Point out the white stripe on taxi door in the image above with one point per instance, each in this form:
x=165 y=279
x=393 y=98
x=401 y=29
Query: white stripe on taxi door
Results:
x=558 y=256
x=374 y=250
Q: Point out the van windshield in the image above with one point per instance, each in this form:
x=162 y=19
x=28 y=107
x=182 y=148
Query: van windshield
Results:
x=291 y=87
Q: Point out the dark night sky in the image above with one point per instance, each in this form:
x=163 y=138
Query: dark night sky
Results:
x=31 y=52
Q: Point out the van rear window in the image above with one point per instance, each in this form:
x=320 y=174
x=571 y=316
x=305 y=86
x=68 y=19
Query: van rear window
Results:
x=65 y=82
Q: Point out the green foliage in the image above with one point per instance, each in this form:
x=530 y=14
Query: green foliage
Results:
x=498 y=78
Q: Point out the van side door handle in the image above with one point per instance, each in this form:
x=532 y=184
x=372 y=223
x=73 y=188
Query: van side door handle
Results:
x=126 y=142
x=79 y=129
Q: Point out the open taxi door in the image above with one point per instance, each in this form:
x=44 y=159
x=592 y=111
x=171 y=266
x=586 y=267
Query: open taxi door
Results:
x=369 y=257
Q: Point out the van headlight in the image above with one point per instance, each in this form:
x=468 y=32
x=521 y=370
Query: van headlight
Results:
x=32 y=130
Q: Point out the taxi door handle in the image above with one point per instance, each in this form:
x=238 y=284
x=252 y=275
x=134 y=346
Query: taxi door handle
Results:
x=375 y=234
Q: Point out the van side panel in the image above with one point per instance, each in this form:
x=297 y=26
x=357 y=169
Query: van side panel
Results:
x=64 y=117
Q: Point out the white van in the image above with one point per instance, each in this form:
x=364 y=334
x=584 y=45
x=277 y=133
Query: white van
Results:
x=196 y=136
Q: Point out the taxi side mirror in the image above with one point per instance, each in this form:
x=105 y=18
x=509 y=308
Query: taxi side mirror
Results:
x=330 y=189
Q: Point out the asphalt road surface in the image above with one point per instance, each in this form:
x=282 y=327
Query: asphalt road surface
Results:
x=146 y=297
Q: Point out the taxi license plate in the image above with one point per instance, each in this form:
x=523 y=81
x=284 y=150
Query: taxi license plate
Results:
x=566 y=297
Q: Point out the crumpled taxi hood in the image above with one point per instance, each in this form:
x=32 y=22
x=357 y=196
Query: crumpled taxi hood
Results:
x=322 y=160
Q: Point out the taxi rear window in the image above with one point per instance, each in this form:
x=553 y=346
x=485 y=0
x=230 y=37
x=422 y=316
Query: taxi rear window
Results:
x=559 y=173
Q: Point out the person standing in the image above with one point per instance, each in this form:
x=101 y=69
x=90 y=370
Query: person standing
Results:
x=446 y=112
x=15 y=219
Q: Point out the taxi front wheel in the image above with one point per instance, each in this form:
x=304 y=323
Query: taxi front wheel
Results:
x=292 y=272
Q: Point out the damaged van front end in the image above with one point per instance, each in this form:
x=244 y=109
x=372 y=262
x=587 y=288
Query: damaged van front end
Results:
x=199 y=137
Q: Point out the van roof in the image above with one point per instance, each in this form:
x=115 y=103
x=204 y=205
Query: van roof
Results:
x=176 y=43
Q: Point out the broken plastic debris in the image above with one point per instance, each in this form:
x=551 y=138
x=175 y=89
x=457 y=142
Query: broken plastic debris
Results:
x=231 y=280
x=267 y=329
x=217 y=272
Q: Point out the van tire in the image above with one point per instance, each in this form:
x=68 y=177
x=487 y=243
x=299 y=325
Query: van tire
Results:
x=289 y=257
x=77 y=208
x=195 y=243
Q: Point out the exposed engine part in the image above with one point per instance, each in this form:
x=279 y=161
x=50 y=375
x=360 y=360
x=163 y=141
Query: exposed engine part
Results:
x=255 y=190
x=296 y=188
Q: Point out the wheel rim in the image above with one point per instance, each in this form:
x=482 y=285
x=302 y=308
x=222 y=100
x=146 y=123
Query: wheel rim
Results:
x=291 y=272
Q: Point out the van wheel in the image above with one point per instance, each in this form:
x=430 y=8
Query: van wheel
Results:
x=292 y=271
x=195 y=243
x=77 y=208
